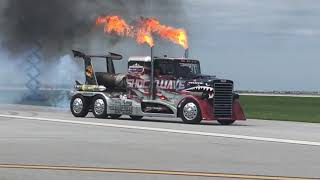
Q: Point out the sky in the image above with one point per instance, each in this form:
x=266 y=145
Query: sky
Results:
x=259 y=44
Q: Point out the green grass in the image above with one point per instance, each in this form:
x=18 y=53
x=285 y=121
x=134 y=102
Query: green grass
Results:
x=304 y=109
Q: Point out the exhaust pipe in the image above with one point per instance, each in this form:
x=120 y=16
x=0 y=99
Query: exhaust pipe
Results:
x=186 y=53
x=152 y=87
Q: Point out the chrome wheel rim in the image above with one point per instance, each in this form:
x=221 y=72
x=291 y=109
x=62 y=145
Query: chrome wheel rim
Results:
x=190 y=111
x=99 y=107
x=77 y=105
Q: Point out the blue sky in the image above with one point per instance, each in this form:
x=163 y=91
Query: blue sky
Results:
x=261 y=45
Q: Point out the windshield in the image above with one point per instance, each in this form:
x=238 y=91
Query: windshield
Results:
x=182 y=69
x=188 y=69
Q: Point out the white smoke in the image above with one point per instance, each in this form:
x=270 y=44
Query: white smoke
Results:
x=59 y=79
x=12 y=79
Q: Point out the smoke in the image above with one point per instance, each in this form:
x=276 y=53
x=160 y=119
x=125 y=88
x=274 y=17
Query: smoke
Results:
x=60 y=79
x=10 y=90
x=57 y=26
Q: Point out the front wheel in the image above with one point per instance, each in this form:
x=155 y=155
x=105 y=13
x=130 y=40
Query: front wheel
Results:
x=190 y=112
x=226 y=122
x=79 y=106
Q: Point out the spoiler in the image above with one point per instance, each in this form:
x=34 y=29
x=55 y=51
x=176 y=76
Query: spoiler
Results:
x=110 y=55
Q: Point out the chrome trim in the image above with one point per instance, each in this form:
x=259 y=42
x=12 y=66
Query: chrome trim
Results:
x=99 y=107
x=91 y=94
x=136 y=106
x=172 y=107
x=77 y=105
x=223 y=99
x=190 y=111
x=158 y=115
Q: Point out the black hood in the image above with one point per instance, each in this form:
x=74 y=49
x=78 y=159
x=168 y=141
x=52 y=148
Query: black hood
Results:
x=204 y=80
x=204 y=77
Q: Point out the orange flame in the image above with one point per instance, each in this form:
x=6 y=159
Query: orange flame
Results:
x=114 y=24
x=144 y=37
x=143 y=30
x=178 y=36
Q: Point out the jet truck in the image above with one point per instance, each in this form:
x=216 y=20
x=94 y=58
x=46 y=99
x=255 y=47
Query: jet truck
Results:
x=163 y=87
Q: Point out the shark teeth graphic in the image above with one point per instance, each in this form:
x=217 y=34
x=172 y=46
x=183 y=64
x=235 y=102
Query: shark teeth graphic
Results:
x=201 y=88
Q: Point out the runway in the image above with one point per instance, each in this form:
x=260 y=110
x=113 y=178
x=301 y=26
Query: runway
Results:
x=154 y=148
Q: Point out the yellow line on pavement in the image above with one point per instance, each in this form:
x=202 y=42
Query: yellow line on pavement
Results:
x=148 y=171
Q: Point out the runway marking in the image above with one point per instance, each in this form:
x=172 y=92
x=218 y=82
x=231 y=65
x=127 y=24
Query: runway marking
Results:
x=234 y=136
x=148 y=171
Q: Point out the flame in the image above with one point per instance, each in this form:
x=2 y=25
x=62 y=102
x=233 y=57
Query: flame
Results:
x=178 y=36
x=144 y=37
x=143 y=29
x=114 y=24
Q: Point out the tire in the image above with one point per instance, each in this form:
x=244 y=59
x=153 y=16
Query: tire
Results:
x=115 y=116
x=190 y=112
x=136 y=117
x=99 y=107
x=226 y=122
x=79 y=106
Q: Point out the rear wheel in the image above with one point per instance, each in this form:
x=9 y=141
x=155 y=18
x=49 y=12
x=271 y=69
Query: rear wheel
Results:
x=115 y=116
x=190 y=112
x=136 y=117
x=226 y=122
x=79 y=106
x=99 y=107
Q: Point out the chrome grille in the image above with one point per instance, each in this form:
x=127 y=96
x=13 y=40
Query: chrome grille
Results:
x=223 y=100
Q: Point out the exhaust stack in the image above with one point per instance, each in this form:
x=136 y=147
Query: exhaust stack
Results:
x=152 y=88
x=186 y=53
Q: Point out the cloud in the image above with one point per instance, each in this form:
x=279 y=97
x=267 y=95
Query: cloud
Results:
x=287 y=17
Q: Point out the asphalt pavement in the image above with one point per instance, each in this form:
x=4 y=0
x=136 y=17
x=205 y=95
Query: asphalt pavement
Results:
x=49 y=143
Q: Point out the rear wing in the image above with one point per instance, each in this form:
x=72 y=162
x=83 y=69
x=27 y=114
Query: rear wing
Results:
x=110 y=55
x=88 y=68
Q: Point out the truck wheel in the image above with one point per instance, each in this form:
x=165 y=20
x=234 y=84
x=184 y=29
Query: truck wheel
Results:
x=115 y=116
x=190 y=112
x=226 y=122
x=136 y=117
x=79 y=106
x=99 y=107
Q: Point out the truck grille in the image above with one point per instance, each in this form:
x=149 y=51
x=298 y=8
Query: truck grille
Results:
x=222 y=102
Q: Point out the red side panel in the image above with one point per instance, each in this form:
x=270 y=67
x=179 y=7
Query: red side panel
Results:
x=205 y=106
x=207 y=109
x=237 y=112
